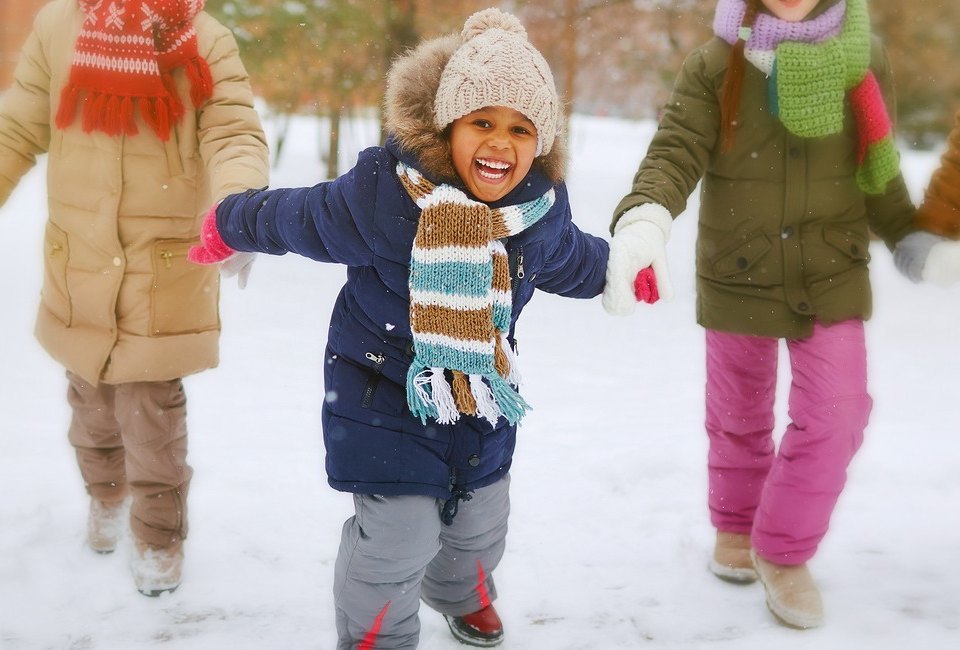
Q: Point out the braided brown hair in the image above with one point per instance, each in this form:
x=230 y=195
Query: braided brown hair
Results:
x=733 y=80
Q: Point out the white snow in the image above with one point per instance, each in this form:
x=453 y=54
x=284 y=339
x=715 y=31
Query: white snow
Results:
x=609 y=535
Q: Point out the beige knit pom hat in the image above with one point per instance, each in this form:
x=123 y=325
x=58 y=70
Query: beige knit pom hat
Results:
x=497 y=66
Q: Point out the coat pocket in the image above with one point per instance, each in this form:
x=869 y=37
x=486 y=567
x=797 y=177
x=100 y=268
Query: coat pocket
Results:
x=54 y=294
x=741 y=258
x=854 y=245
x=184 y=298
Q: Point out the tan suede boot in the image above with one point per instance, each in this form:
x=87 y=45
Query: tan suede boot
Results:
x=731 y=558
x=105 y=524
x=792 y=595
x=156 y=570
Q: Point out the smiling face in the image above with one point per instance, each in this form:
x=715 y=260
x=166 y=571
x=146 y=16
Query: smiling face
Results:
x=493 y=149
x=790 y=10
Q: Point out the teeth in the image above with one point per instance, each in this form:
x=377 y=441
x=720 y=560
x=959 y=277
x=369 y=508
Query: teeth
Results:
x=495 y=164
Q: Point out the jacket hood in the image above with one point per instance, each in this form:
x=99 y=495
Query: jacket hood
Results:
x=412 y=84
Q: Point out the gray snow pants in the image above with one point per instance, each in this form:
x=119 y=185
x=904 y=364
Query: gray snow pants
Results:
x=395 y=551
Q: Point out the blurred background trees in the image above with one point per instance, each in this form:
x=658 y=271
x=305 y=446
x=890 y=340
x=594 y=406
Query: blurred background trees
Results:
x=609 y=57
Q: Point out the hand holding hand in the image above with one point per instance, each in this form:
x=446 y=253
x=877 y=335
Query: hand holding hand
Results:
x=212 y=248
x=638 y=254
x=645 y=286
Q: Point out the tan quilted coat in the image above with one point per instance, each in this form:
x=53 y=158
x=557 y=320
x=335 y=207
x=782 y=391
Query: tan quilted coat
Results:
x=120 y=302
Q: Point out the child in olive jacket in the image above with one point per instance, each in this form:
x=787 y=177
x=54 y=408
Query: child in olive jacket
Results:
x=783 y=117
x=446 y=232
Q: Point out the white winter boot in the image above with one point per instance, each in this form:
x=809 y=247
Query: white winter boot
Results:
x=156 y=570
x=792 y=595
x=105 y=524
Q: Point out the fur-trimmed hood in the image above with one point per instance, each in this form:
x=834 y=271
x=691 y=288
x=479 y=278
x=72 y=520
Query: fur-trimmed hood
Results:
x=412 y=84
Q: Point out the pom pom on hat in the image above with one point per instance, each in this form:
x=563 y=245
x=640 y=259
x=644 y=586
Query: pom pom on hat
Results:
x=491 y=19
x=497 y=66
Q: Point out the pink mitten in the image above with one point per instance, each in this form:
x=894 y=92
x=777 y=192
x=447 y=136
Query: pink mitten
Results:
x=212 y=248
x=645 y=286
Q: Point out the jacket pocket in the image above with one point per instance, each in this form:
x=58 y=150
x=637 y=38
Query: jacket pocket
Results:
x=54 y=294
x=742 y=257
x=184 y=298
x=854 y=245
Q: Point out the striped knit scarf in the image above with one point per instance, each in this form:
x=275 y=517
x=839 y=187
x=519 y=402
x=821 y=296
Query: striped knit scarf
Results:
x=815 y=66
x=124 y=60
x=460 y=303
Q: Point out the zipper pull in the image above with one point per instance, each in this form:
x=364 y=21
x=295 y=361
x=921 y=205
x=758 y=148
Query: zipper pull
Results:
x=376 y=358
x=520 y=272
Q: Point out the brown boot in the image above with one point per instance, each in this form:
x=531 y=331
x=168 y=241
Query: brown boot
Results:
x=792 y=595
x=731 y=558
x=156 y=570
x=105 y=524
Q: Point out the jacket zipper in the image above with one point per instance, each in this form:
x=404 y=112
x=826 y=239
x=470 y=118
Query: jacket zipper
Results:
x=374 y=379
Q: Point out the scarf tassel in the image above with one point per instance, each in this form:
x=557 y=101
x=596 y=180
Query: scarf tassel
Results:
x=201 y=81
x=68 y=106
x=430 y=395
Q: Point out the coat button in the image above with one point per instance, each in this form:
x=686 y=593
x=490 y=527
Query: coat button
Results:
x=786 y=233
x=803 y=306
x=117 y=261
x=473 y=460
x=741 y=262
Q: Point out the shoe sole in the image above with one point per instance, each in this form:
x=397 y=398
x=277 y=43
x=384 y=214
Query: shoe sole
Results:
x=792 y=620
x=735 y=575
x=155 y=593
x=465 y=639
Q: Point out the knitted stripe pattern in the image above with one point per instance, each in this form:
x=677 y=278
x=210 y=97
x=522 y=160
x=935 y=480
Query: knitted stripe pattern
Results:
x=460 y=303
x=815 y=66
x=124 y=60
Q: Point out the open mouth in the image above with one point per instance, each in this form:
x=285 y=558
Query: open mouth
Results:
x=492 y=170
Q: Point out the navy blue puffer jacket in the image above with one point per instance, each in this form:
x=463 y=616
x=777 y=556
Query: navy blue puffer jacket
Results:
x=366 y=220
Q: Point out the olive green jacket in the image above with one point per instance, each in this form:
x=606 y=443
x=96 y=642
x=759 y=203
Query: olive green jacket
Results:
x=784 y=230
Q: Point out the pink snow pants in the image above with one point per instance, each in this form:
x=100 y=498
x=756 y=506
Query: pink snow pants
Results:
x=783 y=497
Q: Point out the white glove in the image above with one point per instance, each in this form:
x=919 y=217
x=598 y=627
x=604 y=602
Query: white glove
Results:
x=639 y=240
x=943 y=264
x=238 y=264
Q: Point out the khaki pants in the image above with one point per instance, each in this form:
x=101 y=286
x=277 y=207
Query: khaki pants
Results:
x=132 y=439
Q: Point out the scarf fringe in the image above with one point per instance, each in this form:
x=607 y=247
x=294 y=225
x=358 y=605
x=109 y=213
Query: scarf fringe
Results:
x=486 y=405
x=430 y=395
x=513 y=376
x=201 y=81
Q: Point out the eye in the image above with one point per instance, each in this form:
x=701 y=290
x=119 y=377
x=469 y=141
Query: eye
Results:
x=522 y=130
x=481 y=123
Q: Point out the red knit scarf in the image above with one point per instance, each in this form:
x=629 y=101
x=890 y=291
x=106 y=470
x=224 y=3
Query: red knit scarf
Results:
x=124 y=60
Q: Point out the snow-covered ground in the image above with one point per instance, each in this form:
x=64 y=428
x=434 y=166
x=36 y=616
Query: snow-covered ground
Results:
x=609 y=534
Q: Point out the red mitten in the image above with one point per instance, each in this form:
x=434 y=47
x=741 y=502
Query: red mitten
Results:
x=645 y=286
x=212 y=248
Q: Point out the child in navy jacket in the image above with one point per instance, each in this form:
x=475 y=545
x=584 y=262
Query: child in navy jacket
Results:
x=446 y=231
